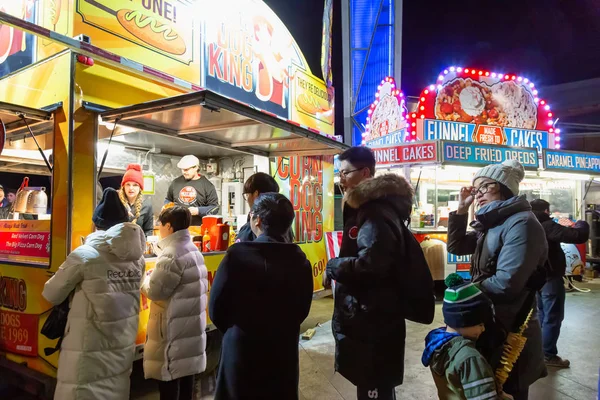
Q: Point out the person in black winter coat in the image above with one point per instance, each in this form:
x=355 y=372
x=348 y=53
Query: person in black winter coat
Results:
x=261 y=294
x=254 y=186
x=551 y=299
x=368 y=320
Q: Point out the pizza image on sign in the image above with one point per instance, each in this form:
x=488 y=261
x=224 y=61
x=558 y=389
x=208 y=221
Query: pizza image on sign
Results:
x=188 y=195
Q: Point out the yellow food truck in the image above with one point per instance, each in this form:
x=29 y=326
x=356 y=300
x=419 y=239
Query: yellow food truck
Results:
x=111 y=82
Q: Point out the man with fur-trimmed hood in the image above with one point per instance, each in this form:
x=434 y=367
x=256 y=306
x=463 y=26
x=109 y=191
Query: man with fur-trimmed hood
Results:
x=368 y=320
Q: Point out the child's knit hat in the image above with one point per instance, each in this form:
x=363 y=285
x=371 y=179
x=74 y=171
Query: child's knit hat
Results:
x=464 y=304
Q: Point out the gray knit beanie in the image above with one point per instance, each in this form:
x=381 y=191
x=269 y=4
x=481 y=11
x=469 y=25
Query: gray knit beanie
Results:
x=510 y=173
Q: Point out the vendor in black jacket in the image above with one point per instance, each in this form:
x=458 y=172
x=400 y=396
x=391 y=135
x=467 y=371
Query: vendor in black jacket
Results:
x=551 y=299
x=368 y=321
x=259 y=298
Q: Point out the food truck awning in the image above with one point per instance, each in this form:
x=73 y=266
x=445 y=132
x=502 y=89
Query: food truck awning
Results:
x=212 y=119
x=16 y=118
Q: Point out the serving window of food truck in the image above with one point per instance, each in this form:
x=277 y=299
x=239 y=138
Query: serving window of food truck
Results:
x=468 y=119
x=151 y=108
x=25 y=180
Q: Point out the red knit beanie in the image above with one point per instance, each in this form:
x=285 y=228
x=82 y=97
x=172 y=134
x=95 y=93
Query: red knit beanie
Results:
x=133 y=174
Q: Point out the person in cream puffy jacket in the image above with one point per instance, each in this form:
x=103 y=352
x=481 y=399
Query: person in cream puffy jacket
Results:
x=176 y=343
x=104 y=275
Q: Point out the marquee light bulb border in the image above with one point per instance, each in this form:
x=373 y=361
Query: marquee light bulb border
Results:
x=431 y=90
x=396 y=92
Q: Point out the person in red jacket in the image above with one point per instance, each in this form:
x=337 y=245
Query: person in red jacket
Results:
x=551 y=299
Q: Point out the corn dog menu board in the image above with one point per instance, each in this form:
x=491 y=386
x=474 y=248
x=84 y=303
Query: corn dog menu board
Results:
x=250 y=56
x=25 y=241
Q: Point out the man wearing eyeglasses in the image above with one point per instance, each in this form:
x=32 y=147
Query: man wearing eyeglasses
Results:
x=368 y=323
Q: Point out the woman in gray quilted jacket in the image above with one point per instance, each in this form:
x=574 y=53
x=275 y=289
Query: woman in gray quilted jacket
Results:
x=176 y=343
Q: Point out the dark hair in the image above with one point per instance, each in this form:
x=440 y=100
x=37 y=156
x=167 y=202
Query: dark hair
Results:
x=505 y=192
x=13 y=191
x=360 y=157
x=179 y=217
x=276 y=213
x=262 y=182
x=540 y=205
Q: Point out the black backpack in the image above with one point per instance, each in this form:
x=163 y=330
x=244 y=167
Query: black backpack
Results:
x=54 y=327
x=418 y=290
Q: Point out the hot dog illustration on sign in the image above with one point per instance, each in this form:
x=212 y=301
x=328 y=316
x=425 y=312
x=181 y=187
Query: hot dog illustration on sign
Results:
x=151 y=31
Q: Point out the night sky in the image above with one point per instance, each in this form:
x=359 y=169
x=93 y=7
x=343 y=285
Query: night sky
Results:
x=548 y=41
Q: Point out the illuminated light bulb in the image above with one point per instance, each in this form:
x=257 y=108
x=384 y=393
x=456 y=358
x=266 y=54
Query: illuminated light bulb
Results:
x=513 y=77
x=422 y=98
x=458 y=69
x=550 y=122
x=480 y=72
x=376 y=102
x=493 y=74
x=414 y=115
x=535 y=92
x=487 y=74
x=542 y=102
x=520 y=79
x=557 y=146
x=506 y=77
x=422 y=108
x=387 y=79
x=557 y=139
x=426 y=91
x=393 y=85
x=531 y=85
x=422 y=117
x=364 y=134
x=378 y=87
x=547 y=108
x=536 y=100
x=550 y=130
x=440 y=78
x=557 y=131
x=369 y=112
x=445 y=72
x=525 y=80
x=413 y=124
x=452 y=69
x=466 y=70
x=432 y=87
x=439 y=87
x=473 y=72
x=376 y=94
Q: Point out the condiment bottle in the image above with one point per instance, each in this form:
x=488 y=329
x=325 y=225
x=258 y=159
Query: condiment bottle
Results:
x=206 y=242
x=231 y=236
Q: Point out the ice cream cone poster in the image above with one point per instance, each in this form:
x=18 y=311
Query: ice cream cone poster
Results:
x=249 y=55
x=474 y=105
x=17 y=48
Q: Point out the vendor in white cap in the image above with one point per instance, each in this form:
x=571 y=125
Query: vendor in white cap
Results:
x=193 y=190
